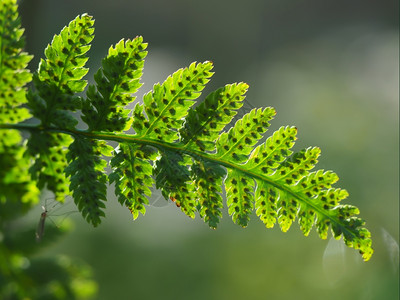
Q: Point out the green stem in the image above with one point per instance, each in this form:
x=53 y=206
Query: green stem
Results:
x=125 y=138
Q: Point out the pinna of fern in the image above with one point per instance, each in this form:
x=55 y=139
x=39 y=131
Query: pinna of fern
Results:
x=18 y=191
x=188 y=152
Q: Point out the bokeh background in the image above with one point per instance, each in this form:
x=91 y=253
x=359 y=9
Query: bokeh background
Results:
x=331 y=68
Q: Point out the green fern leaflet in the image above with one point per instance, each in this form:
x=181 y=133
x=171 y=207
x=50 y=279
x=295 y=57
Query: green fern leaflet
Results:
x=186 y=149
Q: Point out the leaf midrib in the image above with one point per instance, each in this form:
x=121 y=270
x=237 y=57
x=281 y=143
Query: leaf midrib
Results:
x=124 y=138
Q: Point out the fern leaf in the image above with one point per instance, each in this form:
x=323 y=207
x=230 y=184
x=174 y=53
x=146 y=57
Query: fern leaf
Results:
x=132 y=176
x=116 y=81
x=311 y=185
x=281 y=186
x=208 y=181
x=49 y=151
x=184 y=197
x=60 y=75
x=286 y=190
x=239 y=190
x=288 y=173
x=88 y=178
x=13 y=63
x=204 y=123
x=185 y=150
x=235 y=147
x=16 y=184
x=65 y=60
x=236 y=144
x=103 y=110
x=173 y=179
x=168 y=103
x=266 y=198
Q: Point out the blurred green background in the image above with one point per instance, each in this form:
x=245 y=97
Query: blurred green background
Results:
x=331 y=68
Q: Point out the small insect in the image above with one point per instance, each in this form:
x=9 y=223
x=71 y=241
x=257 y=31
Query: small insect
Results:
x=40 y=228
x=43 y=216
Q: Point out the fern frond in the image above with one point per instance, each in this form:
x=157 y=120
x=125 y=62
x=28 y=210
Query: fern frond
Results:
x=57 y=81
x=103 y=110
x=236 y=144
x=88 y=178
x=18 y=191
x=239 y=189
x=268 y=177
x=265 y=158
x=204 y=123
x=208 y=180
x=132 y=176
x=160 y=117
x=168 y=103
x=286 y=190
x=116 y=81
x=173 y=179
x=49 y=153
x=13 y=63
x=60 y=75
x=16 y=184
x=186 y=150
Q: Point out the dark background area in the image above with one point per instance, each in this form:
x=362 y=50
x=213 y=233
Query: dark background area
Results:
x=330 y=68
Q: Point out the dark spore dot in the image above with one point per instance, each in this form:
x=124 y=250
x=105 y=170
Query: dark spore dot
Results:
x=64 y=50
